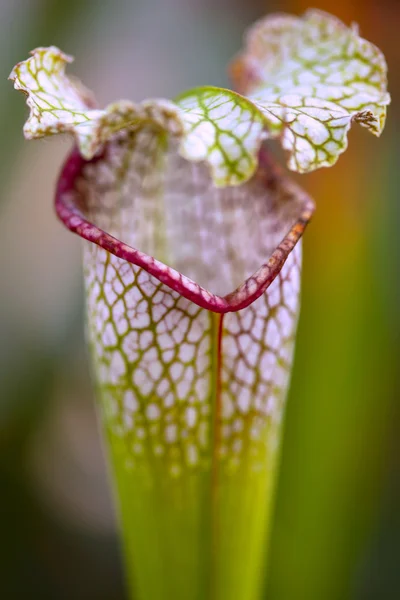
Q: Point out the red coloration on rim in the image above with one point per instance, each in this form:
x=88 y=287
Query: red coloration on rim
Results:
x=70 y=214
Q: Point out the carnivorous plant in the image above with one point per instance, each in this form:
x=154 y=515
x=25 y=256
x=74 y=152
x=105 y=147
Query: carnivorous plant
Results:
x=192 y=259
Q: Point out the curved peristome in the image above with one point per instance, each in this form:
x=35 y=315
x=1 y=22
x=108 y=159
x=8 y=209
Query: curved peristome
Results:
x=276 y=211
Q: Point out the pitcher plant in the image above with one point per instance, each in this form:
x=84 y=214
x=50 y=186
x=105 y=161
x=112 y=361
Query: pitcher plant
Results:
x=192 y=260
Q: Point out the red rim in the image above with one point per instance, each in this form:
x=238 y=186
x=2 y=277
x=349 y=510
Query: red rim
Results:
x=252 y=288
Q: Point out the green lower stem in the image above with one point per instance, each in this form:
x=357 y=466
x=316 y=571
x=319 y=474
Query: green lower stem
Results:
x=244 y=509
x=184 y=539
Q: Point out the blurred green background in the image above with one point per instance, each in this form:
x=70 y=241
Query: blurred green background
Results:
x=337 y=528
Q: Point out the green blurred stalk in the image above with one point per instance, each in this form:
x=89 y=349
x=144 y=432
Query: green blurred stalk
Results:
x=184 y=539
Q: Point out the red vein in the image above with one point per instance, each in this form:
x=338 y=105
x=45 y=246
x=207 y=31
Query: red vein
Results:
x=217 y=420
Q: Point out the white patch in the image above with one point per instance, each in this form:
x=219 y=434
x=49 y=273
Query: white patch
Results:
x=128 y=421
x=156 y=369
x=158 y=450
x=230 y=348
x=117 y=367
x=132 y=298
x=186 y=352
x=137 y=448
x=232 y=323
x=244 y=374
x=252 y=356
x=171 y=433
x=140 y=433
x=150 y=355
x=169 y=400
x=146 y=339
x=179 y=332
x=109 y=337
x=267 y=366
x=191 y=416
x=176 y=371
x=158 y=312
x=226 y=431
x=237 y=425
x=228 y=408
x=255 y=430
x=243 y=400
x=274 y=294
x=118 y=315
x=109 y=293
x=285 y=321
x=127 y=275
x=245 y=343
x=271 y=405
x=102 y=310
x=153 y=412
x=142 y=381
x=163 y=387
x=122 y=326
x=280 y=377
x=137 y=319
x=247 y=319
x=130 y=401
x=192 y=455
x=165 y=341
x=183 y=388
x=273 y=337
x=192 y=309
x=175 y=470
x=202 y=388
x=195 y=332
x=237 y=446
x=130 y=346
x=168 y=356
x=118 y=287
x=290 y=297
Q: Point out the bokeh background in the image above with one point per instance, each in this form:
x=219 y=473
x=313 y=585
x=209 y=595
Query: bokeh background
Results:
x=337 y=527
